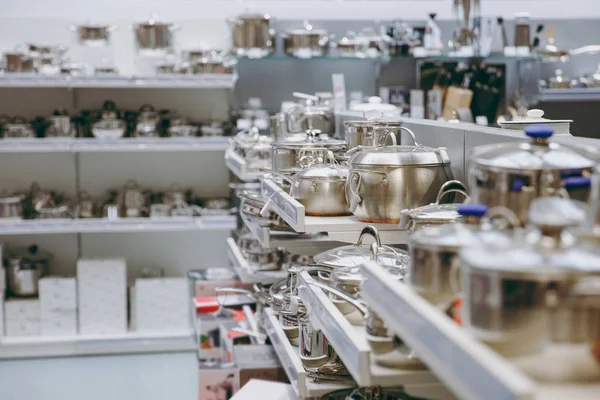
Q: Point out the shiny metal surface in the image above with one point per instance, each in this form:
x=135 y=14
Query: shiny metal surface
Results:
x=314 y=347
x=18 y=127
x=291 y=156
x=252 y=35
x=90 y=35
x=152 y=35
x=306 y=42
x=367 y=133
x=18 y=62
x=11 y=207
x=61 y=125
x=24 y=270
x=266 y=259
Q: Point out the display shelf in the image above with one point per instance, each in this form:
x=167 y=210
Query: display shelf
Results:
x=295 y=243
x=303 y=385
x=243 y=269
x=99 y=225
x=351 y=345
x=238 y=166
x=556 y=95
x=200 y=81
x=470 y=369
x=92 y=145
x=70 y=346
x=342 y=229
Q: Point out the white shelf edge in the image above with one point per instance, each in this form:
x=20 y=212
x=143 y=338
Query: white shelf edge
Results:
x=290 y=361
x=470 y=369
x=342 y=229
x=241 y=266
x=200 y=81
x=82 y=345
x=98 y=225
x=91 y=145
x=238 y=166
x=351 y=345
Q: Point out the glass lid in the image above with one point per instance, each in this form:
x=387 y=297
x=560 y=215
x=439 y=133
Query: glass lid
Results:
x=400 y=156
x=356 y=255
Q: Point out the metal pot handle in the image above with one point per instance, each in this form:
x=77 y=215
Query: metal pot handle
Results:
x=355 y=198
x=399 y=129
x=504 y=214
x=442 y=194
x=446 y=185
x=372 y=231
x=338 y=293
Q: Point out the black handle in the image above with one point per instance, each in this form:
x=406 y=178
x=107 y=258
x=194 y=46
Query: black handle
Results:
x=109 y=105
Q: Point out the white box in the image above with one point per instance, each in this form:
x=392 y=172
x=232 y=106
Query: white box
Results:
x=58 y=293
x=1 y=315
x=161 y=304
x=22 y=317
x=59 y=322
x=102 y=296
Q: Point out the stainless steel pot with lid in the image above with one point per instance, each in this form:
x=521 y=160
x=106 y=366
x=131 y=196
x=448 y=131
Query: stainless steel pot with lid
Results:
x=514 y=174
x=252 y=35
x=306 y=42
x=385 y=180
x=287 y=155
x=367 y=133
x=516 y=291
x=154 y=35
x=25 y=267
x=92 y=34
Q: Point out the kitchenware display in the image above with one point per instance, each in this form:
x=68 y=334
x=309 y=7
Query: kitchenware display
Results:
x=147 y=124
x=385 y=180
x=313 y=346
x=371 y=393
x=212 y=129
x=251 y=208
x=181 y=128
x=321 y=188
x=265 y=259
x=306 y=42
x=287 y=154
x=61 y=125
x=213 y=63
x=536 y=117
x=372 y=44
x=109 y=126
x=93 y=35
x=252 y=35
x=375 y=103
x=514 y=174
x=522 y=30
x=85 y=206
x=132 y=200
x=11 y=206
x=24 y=269
x=558 y=81
x=435 y=213
x=18 y=62
x=349 y=45
x=368 y=133
x=18 y=128
x=521 y=294
x=153 y=36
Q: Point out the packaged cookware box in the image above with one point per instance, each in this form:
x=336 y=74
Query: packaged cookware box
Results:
x=218 y=382
x=161 y=304
x=22 y=317
x=58 y=305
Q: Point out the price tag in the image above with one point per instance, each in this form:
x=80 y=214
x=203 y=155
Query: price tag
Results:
x=339 y=91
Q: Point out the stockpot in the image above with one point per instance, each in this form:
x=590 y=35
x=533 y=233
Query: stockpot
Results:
x=518 y=293
x=16 y=61
x=61 y=125
x=11 y=206
x=266 y=259
x=291 y=155
x=385 y=180
x=320 y=188
x=514 y=174
x=367 y=133
x=252 y=209
x=153 y=35
x=306 y=42
x=92 y=35
x=18 y=128
x=303 y=118
x=435 y=213
x=25 y=267
x=251 y=35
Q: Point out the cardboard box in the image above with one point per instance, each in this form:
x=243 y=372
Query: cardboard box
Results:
x=209 y=336
x=219 y=383
x=102 y=296
x=59 y=322
x=58 y=293
x=22 y=317
x=161 y=304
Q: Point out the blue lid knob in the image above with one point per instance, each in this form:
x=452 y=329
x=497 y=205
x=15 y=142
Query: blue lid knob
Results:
x=539 y=131
x=517 y=185
x=472 y=210
x=577 y=182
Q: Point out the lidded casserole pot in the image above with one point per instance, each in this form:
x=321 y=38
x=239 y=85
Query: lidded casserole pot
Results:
x=514 y=174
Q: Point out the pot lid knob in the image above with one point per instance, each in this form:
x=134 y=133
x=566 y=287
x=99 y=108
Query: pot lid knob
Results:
x=472 y=210
x=577 y=182
x=535 y=113
x=539 y=131
x=33 y=249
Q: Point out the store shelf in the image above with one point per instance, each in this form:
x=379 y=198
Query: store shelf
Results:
x=243 y=269
x=470 y=369
x=565 y=95
x=91 y=145
x=70 y=346
x=304 y=387
x=342 y=229
x=98 y=225
x=237 y=165
x=204 y=81
x=351 y=345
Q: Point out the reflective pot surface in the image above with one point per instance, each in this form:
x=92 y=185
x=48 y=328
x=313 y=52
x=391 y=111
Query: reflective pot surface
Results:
x=252 y=35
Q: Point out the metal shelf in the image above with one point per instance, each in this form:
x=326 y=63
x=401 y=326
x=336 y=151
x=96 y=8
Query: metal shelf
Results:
x=343 y=229
x=69 y=346
x=304 y=387
x=237 y=165
x=242 y=267
x=92 y=145
x=98 y=225
x=557 y=95
x=351 y=345
x=173 y=81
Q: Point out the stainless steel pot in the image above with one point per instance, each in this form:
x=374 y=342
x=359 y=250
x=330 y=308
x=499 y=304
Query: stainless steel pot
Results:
x=11 y=206
x=132 y=200
x=147 y=122
x=18 y=128
x=515 y=291
x=252 y=35
x=18 y=62
x=321 y=188
x=514 y=174
x=61 y=125
x=368 y=133
x=25 y=267
x=292 y=155
x=385 y=180
x=154 y=35
x=314 y=348
x=306 y=42
x=252 y=209
x=92 y=35
x=266 y=259
x=85 y=205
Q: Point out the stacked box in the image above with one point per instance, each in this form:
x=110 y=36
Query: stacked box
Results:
x=102 y=296
x=22 y=317
x=161 y=304
x=58 y=306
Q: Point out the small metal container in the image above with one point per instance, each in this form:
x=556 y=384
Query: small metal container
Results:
x=18 y=62
x=306 y=42
x=266 y=259
x=252 y=35
x=92 y=35
x=11 y=207
x=154 y=35
x=25 y=267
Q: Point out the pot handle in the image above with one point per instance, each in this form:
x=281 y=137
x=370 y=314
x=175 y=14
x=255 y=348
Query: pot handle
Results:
x=442 y=194
x=445 y=186
x=305 y=96
x=355 y=199
x=399 y=129
x=372 y=231
x=504 y=214
x=338 y=293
